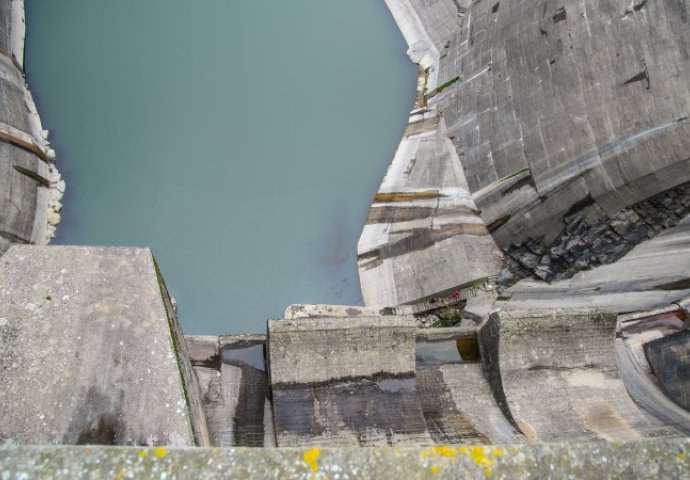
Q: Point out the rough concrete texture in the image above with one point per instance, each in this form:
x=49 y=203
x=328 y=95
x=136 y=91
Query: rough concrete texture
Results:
x=423 y=234
x=557 y=110
x=87 y=351
x=345 y=383
x=313 y=350
x=234 y=389
x=30 y=185
x=649 y=459
x=653 y=275
x=669 y=358
x=571 y=356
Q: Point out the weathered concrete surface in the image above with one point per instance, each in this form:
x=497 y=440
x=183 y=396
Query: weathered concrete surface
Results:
x=88 y=351
x=234 y=389
x=583 y=245
x=650 y=459
x=30 y=185
x=565 y=117
x=654 y=274
x=423 y=234
x=570 y=355
x=562 y=102
x=313 y=350
x=669 y=358
x=345 y=382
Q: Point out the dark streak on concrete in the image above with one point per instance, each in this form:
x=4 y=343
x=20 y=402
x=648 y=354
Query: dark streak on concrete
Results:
x=395 y=214
x=677 y=285
x=13 y=238
x=33 y=175
x=489 y=338
x=669 y=358
x=100 y=421
x=445 y=423
x=249 y=413
x=421 y=239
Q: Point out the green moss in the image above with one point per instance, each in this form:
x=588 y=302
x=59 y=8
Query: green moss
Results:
x=447 y=84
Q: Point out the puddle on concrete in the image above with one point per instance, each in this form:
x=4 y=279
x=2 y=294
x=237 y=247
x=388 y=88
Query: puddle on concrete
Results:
x=244 y=356
x=432 y=354
x=396 y=385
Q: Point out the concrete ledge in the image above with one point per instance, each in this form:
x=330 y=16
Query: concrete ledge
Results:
x=651 y=459
x=89 y=352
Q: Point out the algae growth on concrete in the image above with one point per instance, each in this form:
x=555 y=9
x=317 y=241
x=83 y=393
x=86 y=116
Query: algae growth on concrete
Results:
x=242 y=141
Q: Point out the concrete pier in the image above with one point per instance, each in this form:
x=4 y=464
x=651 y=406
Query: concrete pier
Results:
x=345 y=383
x=89 y=351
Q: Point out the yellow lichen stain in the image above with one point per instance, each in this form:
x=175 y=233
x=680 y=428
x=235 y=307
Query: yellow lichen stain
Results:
x=120 y=475
x=311 y=458
x=160 y=452
x=444 y=451
x=143 y=454
x=482 y=457
x=681 y=456
x=478 y=455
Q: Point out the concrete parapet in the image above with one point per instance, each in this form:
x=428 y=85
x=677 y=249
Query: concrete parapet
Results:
x=570 y=355
x=88 y=352
x=649 y=459
x=322 y=349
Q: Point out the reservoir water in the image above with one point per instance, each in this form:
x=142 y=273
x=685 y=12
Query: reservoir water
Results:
x=241 y=141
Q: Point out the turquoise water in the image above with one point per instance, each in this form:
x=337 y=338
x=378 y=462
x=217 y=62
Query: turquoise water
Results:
x=242 y=141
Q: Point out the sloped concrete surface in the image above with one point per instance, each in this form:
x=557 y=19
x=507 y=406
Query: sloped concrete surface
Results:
x=423 y=234
x=87 y=350
x=231 y=372
x=654 y=274
x=669 y=358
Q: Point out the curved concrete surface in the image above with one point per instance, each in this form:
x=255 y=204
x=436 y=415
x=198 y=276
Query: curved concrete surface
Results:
x=30 y=185
x=558 y=376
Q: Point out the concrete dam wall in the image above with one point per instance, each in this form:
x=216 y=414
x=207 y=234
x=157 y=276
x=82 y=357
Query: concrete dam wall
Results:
x=30 y=185
x=569 y=124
